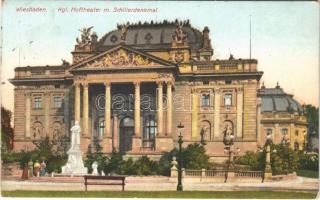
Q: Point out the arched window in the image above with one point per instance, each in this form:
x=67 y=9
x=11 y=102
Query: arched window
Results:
x=101 y=128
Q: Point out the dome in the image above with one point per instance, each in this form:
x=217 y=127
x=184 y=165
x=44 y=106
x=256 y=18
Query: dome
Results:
x=152 y=35
x=276 y=100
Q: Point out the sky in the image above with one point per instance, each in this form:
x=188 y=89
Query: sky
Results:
x=285 y=36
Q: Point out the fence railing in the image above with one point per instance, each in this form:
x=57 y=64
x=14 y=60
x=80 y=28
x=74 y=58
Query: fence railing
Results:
x=215 y=173
x=253 y=174
x=203 y=173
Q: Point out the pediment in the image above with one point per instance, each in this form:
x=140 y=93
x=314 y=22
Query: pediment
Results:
x=121 y=57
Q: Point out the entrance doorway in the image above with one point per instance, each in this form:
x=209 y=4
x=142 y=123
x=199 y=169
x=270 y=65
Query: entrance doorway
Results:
x=126 y=134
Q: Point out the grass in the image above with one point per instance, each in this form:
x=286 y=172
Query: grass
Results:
x=166 y=194
x=308 y=173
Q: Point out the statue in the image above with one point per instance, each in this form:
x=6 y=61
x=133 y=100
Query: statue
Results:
x=124 y=30
x=64 y=62
x=43 y=168
x=228 y=135
x=75 y=136
x=75 y=163
x=180 y=35
x=85 y=36
x=206 y=39
x=95 y=168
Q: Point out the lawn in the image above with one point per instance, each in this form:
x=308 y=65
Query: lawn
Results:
x=166 y=194
x=308 y=173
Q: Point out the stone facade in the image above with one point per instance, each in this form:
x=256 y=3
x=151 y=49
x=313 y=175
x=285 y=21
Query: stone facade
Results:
x=114 y=85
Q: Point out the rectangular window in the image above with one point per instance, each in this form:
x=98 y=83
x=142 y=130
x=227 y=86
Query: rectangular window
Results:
x=205 y=100
x=227 y=82
x=37 y=102
x=284 y=131
x=269 y=131
x=228 y=100
x=101 y=128
x=57 y=102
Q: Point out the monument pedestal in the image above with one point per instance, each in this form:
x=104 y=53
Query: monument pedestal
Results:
x=75 y=164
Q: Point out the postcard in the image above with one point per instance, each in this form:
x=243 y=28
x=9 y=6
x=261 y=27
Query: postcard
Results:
x=159 y=99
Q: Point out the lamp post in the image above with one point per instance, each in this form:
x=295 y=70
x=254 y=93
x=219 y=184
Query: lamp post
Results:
x=180 y=141
x=228 y=141
x=267 y=170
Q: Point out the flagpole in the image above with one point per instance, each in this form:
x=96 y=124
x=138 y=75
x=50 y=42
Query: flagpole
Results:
x=250 y=39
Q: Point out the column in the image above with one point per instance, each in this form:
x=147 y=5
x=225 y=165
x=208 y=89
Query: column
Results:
x=137 y=109
x=66 y=113
x=77 y=102
x=194 y=116
x=28 y=104
x=239 y=112
x=160 y=108
x=85 y=108
x=216 y=113
x=169 y=108
x=115 y=133
x=46 y=114
x=107 y=110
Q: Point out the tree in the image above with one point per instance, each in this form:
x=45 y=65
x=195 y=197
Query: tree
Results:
x=312 y=115
x=6 y=130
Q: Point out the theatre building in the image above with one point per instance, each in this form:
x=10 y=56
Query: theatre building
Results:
x=131 y=88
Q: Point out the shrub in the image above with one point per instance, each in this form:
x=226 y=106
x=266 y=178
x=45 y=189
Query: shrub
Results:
x=165 y=162
x=285 y=160
x=97 y=156
x=255 y=160
x=114 y=164
x=145 y=166
x=195 y=157
x=308 y=161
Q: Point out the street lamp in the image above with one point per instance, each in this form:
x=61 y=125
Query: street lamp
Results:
x=268 y=170
x=180 y=141
x=228 y=141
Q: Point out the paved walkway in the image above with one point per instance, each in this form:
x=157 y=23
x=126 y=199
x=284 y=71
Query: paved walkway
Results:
x=158 y=184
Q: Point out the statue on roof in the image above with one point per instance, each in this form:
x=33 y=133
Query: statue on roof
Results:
x=180 y=35
x=85 y=36
x=124 y=29
x=206 y=39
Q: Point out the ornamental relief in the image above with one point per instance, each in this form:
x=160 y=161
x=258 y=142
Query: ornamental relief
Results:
x=121 y=58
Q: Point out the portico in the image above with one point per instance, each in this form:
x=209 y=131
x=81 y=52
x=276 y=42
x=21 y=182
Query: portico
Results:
x=136 y=96
x=115 y=114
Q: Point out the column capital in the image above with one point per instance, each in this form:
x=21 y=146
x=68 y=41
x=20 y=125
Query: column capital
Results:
x=216 y=90
x=77 y=83
x=169 y=83
x=159 y=83
x=136 y=83
x=107 y=83
x=85 y=84
x=239 y=89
